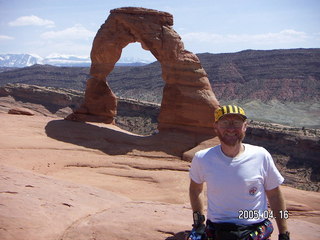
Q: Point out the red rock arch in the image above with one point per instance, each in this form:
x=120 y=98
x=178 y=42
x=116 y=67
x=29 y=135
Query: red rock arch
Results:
x=188 y=101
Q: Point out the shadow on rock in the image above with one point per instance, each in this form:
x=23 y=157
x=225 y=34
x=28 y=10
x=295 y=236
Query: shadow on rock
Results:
x=116 y=142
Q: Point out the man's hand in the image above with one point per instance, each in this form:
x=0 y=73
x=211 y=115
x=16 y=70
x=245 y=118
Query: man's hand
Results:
x=278 y=206
x=198 y=219
x=199 y=227
x=198 y=230
x=284 y=236
x=198 y=222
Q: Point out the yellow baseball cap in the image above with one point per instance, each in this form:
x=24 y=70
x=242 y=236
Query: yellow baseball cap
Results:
x=228 y=109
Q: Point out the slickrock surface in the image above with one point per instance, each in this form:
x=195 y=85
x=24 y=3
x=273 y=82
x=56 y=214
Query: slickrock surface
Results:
x=59 y=182
x=188 y=101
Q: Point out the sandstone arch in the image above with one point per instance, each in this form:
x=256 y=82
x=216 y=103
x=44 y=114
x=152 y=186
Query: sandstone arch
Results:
x=188 y=102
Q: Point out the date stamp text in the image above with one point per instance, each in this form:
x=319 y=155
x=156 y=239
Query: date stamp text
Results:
x=255 y=214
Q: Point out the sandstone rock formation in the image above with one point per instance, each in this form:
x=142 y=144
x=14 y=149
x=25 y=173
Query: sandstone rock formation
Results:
x=21 y=111
x=188 y=102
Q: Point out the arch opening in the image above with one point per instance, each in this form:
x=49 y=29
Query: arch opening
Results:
x=134 y=55
x=138 y=94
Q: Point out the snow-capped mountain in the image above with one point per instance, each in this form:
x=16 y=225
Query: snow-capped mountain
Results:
x=25 y=60
x=66 y=60
x=18 y=60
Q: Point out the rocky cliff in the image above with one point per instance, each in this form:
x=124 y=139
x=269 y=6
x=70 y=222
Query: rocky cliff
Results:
x=286 y=75
x=295 y=150
x=135 y=116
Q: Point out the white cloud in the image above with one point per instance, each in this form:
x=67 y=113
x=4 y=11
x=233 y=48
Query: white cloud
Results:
x=285 y=36
x=75 y=32
x=31 y=21
x=4 y=37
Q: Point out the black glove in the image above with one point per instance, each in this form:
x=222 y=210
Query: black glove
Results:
x=198 y=223
x=284 y=236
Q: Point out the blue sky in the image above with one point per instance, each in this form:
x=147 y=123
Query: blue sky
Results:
x=48 y=27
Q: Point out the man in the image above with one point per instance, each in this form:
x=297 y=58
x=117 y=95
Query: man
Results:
x=240 y=178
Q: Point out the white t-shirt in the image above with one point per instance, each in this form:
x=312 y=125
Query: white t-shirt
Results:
x=236 y=186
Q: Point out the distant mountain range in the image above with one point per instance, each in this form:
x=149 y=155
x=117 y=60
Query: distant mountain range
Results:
x=26 y=60
x=277 y=85
x=291 y=75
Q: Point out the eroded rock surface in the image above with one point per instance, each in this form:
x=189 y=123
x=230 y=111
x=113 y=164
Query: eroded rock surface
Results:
x=188 y=101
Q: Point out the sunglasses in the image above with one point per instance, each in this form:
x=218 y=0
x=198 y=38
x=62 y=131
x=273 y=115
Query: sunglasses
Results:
x=230 y=123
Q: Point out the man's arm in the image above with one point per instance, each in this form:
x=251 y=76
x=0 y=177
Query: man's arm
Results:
x=196 y=201
x=278 y=207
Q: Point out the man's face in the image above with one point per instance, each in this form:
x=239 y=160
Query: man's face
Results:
x=231 y=129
